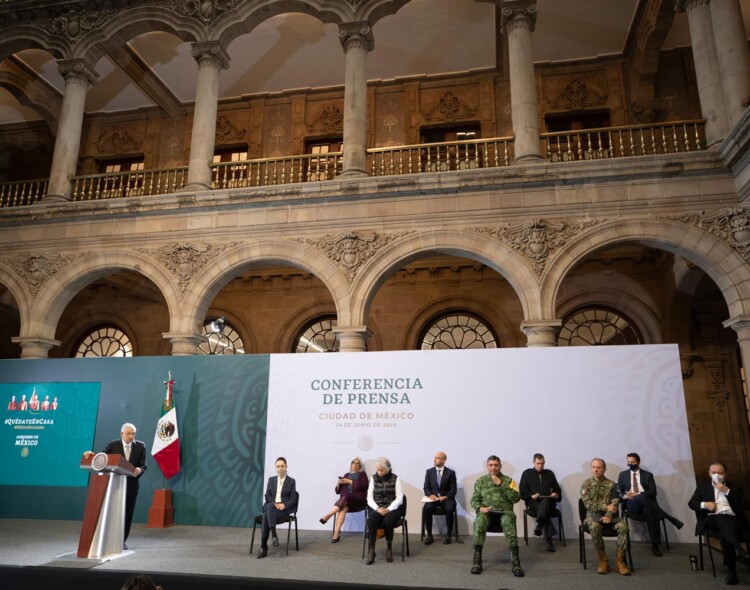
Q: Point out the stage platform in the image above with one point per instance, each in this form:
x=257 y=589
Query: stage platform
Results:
x=195 y=557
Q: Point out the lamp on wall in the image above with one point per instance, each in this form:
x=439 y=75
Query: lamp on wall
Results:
x=218 y=324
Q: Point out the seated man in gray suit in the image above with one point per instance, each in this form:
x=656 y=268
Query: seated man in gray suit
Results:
x=637 y=489
x=440 y=487
x=280 y=501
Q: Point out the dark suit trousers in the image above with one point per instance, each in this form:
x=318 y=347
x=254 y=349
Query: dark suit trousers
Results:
x=541 y=509
x=376 y=521
x=131 y=495
x=728 y=529
x=449 y=505
x=271 y=515
x=650 y=508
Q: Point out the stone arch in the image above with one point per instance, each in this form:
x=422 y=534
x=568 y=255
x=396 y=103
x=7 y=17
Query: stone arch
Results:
x=247 y=16
x=86 y=322
x=468 y=244
x=374 y=10
x=207 y=283
x=22 y=37
x=17 y=290
x=57 y=292
x=34 y=95
x=134 y=22
x=631 y=306
x=719 y=260
x=505 y=331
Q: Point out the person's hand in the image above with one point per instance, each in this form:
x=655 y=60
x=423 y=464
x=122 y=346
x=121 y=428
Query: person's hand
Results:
x=554 y=495
x=710 y=506
x=535 y=496
x=87 y=454
x=606 y=519
x=138 y=471
x=484 y=509
x=498 y=481
x=612 y=508
x=441 y=498
x=345 y=481
x=722 y=487
x=383 y=510
x=280 y=506
x=433 y=497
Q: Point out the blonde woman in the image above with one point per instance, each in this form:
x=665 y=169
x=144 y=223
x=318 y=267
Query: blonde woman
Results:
x=352 y=491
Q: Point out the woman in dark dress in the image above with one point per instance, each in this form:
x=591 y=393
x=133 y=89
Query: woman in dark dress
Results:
x=352 y=491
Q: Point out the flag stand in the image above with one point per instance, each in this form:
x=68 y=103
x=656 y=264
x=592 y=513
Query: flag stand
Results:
x=161 y=512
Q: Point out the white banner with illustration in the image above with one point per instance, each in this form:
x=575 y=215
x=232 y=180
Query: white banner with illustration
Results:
x=570 y=404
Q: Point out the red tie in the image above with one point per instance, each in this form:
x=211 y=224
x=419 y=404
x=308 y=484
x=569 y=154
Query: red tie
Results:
x=635 y=485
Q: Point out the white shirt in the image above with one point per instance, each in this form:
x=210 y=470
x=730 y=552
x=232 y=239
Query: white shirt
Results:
x=722 y=503
x=393 y=505
x=278 y=489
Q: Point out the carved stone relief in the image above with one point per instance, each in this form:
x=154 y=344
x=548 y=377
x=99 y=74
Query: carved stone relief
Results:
x=389 y=117
x=184 y=260
x=731 y=225
x=206 y=10
x=227 y=131
x=538 y=239
x=352 y=249
x=716 y=390
x=172 y=146
x=36 y=269
x=277 y=128
x=327 y=120
x=72 y=23
x=118 y=140
x=449 y=107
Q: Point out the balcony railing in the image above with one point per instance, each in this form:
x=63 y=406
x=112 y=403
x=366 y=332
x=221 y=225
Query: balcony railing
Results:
x=440 y=157
x=620 y=142
x=589 y=144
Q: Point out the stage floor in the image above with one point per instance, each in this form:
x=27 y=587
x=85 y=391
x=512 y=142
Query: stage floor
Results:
x=223 y=553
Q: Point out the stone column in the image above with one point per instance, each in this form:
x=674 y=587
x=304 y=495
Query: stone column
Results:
x=518 y=18
x=352 y=338
x=706 y=68
x=741 y=325
x=211 y=58
x=183 y=343
x=78 y=75
x=35 y=347
x=541 y=332
x=733 y=55
x=357 y=40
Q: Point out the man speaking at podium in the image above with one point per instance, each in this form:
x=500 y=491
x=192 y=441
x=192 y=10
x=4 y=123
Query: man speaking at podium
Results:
x=134 y=452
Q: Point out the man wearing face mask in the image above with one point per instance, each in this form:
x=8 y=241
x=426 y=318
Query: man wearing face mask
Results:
x=637 y=489
x=720 y=508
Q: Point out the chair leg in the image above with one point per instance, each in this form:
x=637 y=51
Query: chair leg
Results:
x=406 y=529
x=525 y=527
x=252 y=539
x=666 y=536
x=581 y=548
x=700 y=551
x=561 y=529
x=296 y=536
x=711 y=554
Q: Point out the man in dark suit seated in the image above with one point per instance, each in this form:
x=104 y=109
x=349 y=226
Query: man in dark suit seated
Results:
x=440 y=487
x=636 y=487
x=720 y=508
x=279 y=503
x=540 y=491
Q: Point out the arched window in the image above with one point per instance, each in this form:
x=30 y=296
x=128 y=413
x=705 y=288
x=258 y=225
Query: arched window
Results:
x=220 y=338
x=318 y=336
x=597 y=326
x=104 y=341
x=458 y=329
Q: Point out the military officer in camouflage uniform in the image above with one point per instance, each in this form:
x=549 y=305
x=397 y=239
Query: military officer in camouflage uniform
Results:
x=493 y=499
x=600 y=498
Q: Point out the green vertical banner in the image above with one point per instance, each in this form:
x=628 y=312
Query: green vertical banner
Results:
x=45 y=427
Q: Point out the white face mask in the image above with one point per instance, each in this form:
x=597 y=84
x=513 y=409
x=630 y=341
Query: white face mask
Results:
x=717 y=478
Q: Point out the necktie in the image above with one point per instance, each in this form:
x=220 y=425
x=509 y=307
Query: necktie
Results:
x=635 y=485
x=127 y=452
x=439 y=475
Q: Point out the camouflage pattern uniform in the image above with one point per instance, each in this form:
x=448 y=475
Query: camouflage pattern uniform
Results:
x=501 y=497
x=597 y=495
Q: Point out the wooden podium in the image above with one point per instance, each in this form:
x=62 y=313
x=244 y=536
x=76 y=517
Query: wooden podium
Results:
x=103 y=525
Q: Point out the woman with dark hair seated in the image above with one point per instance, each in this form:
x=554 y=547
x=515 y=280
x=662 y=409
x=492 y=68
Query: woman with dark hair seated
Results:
x=352 y=491
x=384 y=497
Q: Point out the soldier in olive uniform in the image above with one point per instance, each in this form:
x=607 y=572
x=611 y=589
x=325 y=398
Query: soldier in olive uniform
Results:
x=493 y=499
x=600 y=498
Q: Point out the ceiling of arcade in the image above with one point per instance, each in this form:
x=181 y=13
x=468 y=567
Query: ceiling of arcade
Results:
x=294 y=51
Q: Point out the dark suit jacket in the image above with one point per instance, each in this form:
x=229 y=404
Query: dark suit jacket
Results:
x=625 y=482
x=447 y=485
x=288 y=495
x=531 y=484
x=137 y=454
x=705 y=493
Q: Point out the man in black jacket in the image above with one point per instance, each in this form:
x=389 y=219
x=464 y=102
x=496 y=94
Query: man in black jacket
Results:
x=720 y=508
x=541 y=492
x=280 y=503
x=440 y=487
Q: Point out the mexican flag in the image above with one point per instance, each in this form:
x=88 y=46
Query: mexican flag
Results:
x=166 y=447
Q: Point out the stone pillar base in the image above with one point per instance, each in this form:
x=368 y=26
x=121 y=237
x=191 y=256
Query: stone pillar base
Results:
x=541 y=333
x=53 y=198
x=352 y=338
x=353 y=172
x=33 y=347
x=183 y=343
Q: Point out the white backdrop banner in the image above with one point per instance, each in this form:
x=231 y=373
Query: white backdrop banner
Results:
x=570 y=404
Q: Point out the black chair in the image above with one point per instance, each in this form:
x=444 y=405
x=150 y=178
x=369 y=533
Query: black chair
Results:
x=292 y=518
x=608 y=530
x=642 y=518
x=401 y=523
x=704 y=538
x=554 y=514
x=440 y=511
x=335 y=516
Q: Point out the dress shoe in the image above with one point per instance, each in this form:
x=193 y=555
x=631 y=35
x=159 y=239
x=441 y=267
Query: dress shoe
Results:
x=262 y=553
x=538 y=529
x=124 y=547
x=275 y=541
x=550 y=546
x=322 y=520
x=678 y=524
x=656 y=550
x=335 y=539
x=429 y=540
x=447 y=540
x=731 y=579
